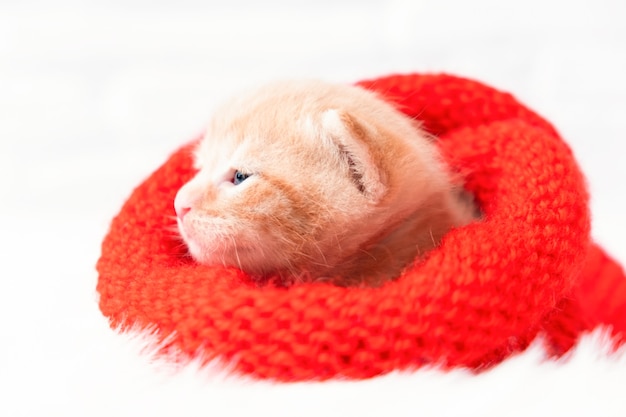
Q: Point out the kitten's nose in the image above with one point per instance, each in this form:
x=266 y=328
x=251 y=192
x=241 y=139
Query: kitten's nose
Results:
x=181 y=211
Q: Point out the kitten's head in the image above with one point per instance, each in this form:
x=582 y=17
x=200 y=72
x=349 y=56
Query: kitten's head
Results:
x=295 y=177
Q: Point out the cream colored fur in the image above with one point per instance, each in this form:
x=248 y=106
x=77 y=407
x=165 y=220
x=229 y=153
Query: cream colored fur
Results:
x=341 y=187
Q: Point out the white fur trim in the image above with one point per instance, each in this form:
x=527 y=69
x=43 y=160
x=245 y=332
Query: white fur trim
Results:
x=124 y=378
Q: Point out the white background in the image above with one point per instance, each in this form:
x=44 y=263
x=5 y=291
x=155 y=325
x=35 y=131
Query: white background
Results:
x=95 y=95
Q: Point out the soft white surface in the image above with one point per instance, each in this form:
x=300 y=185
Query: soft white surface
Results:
x=94 y=95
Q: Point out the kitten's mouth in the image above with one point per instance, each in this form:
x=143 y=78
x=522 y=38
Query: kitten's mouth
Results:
x=219 y=253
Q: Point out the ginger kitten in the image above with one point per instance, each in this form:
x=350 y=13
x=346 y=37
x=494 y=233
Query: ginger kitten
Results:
x=306 y=181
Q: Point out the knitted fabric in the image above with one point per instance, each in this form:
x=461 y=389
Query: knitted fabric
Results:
x=527 y=268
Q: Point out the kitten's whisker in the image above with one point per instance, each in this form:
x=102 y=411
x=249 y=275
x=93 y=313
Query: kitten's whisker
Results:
x=236 y=251
x=432 y=238
x=368 y=253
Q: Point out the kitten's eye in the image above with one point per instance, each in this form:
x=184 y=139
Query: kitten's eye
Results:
x=239 y=177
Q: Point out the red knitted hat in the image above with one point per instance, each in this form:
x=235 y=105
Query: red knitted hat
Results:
x=527 y=268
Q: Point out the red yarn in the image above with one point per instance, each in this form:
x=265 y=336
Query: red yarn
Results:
x=485 y=293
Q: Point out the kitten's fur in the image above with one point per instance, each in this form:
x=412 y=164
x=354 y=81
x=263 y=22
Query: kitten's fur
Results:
x=343 y=187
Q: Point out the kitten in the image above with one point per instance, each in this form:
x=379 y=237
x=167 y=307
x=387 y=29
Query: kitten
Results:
x=306 y=181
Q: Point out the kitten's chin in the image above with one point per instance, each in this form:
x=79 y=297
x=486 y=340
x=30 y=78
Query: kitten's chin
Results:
x=195 y=251
x=220 y=253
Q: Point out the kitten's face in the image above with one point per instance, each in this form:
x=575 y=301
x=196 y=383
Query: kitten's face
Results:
x=289 y=180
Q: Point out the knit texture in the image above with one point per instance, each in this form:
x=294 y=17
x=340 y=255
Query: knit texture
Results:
x=527 y=268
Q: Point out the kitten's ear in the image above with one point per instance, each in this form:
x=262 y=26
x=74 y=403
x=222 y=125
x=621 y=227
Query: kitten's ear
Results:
x=351 y=138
